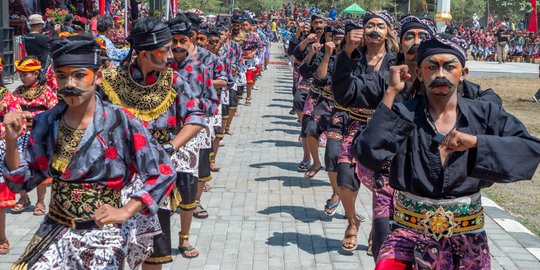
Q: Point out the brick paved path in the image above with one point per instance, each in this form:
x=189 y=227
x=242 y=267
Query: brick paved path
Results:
x=265 y=215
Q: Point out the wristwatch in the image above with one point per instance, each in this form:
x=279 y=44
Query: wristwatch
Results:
x=168 y=148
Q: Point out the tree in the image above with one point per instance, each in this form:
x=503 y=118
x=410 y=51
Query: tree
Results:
x=463 y=10
x=514 y=9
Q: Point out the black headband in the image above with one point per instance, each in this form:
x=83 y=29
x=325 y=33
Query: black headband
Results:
x=182 y=28
x=78 y=53
x=442 y=45
x=387 y=18
x=351 y=25
x=151 y=40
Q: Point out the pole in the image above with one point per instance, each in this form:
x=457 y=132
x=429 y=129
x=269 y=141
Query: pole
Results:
x=126 y=18
x=409 y=7
x=167 y=8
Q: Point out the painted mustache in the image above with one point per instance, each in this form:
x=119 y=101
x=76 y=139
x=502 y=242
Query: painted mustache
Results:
x=71 y=92
x=179 y=50
x=374 y=34
x=319 y=29
x=413 y=49
x=441 y=82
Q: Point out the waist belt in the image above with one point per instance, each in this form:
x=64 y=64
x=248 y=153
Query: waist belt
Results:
x=362 y=115
x=325 y=92
x=161 y=135
x=73 y=204
x=438 y=218
x=341 y=108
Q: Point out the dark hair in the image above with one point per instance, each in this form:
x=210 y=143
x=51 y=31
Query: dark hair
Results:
x=144 y=24
x=95 y=13
x=68 y=17
x=104 y=23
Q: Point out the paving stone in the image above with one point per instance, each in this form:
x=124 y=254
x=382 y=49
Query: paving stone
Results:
x=263 y=214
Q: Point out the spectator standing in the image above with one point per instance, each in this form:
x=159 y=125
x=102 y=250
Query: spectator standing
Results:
x=35 y=42
x=94 y=22
x=106 y=32
x=332 y=13
x=502 y=42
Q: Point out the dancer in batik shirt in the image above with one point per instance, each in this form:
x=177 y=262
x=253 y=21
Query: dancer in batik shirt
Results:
x=91 y=149
x=8 y=103
x=167 y=107
x=234 y=52
x=35 y=96
x=197 y=75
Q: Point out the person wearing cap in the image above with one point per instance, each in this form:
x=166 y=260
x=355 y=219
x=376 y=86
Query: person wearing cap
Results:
x=233 y=51
x=196 y=74
x=503 y=36
x=442 y=149
x=91 y=149
x=353 y=66
x=105 y=28
x=165 y=103
x=304 y=98
x=238 y=37
x=34 y=96
x=68 y=24
x=8 y=103
x=323 y=119
x=35 y=42
x=251 y=44
x=215 y=45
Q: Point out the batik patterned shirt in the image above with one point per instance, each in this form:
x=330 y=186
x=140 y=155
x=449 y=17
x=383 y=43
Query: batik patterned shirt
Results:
x=114 y=147
x=8 y=103
x=36 y=98
x=183 y=108
x=197 y=75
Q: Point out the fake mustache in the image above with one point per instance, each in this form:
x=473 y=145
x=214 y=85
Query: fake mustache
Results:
x=178 y=50
x=374 y=34
x=319 y=29
x=413 y=49
x=71 y=92
x=441 y=82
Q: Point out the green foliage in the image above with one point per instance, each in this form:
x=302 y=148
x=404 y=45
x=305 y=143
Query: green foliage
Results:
x=463 y=10
x=207 y=6
x=515 y=9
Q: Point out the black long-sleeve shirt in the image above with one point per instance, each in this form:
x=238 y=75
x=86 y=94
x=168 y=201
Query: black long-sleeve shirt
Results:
x=505 y=151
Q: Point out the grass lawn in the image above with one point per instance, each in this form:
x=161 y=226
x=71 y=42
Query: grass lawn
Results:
x=521 y=199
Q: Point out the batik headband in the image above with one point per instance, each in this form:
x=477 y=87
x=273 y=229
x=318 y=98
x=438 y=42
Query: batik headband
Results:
x=28 y=65
x=440 y=45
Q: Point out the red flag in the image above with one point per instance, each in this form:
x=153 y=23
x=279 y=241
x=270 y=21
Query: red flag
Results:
x=102 y=8
x=533 y=20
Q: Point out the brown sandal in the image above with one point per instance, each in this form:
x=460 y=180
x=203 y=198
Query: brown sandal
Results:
x=39 y=210
x=186 y=251
x=350 y=239
x=20 y=207
x=248 y=101
x=4 y=247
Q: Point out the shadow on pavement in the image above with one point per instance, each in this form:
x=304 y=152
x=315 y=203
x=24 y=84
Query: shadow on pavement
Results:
x=288 y=131
x=289 y=166
x=283 y=117
x=287 y=123
x=280 y=106
x=279 y=143
x=295 y=181
x=312 y=244
x=282 y=99
x=301 y=213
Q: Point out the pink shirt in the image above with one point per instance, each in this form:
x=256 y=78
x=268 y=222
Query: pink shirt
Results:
x=93 y=27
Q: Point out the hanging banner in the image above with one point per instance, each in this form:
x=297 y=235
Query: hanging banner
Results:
x=101 y=8
x=174 y=7
x=533 y=20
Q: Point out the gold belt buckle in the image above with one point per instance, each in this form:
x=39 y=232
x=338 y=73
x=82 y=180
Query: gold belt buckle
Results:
x=439 y=223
